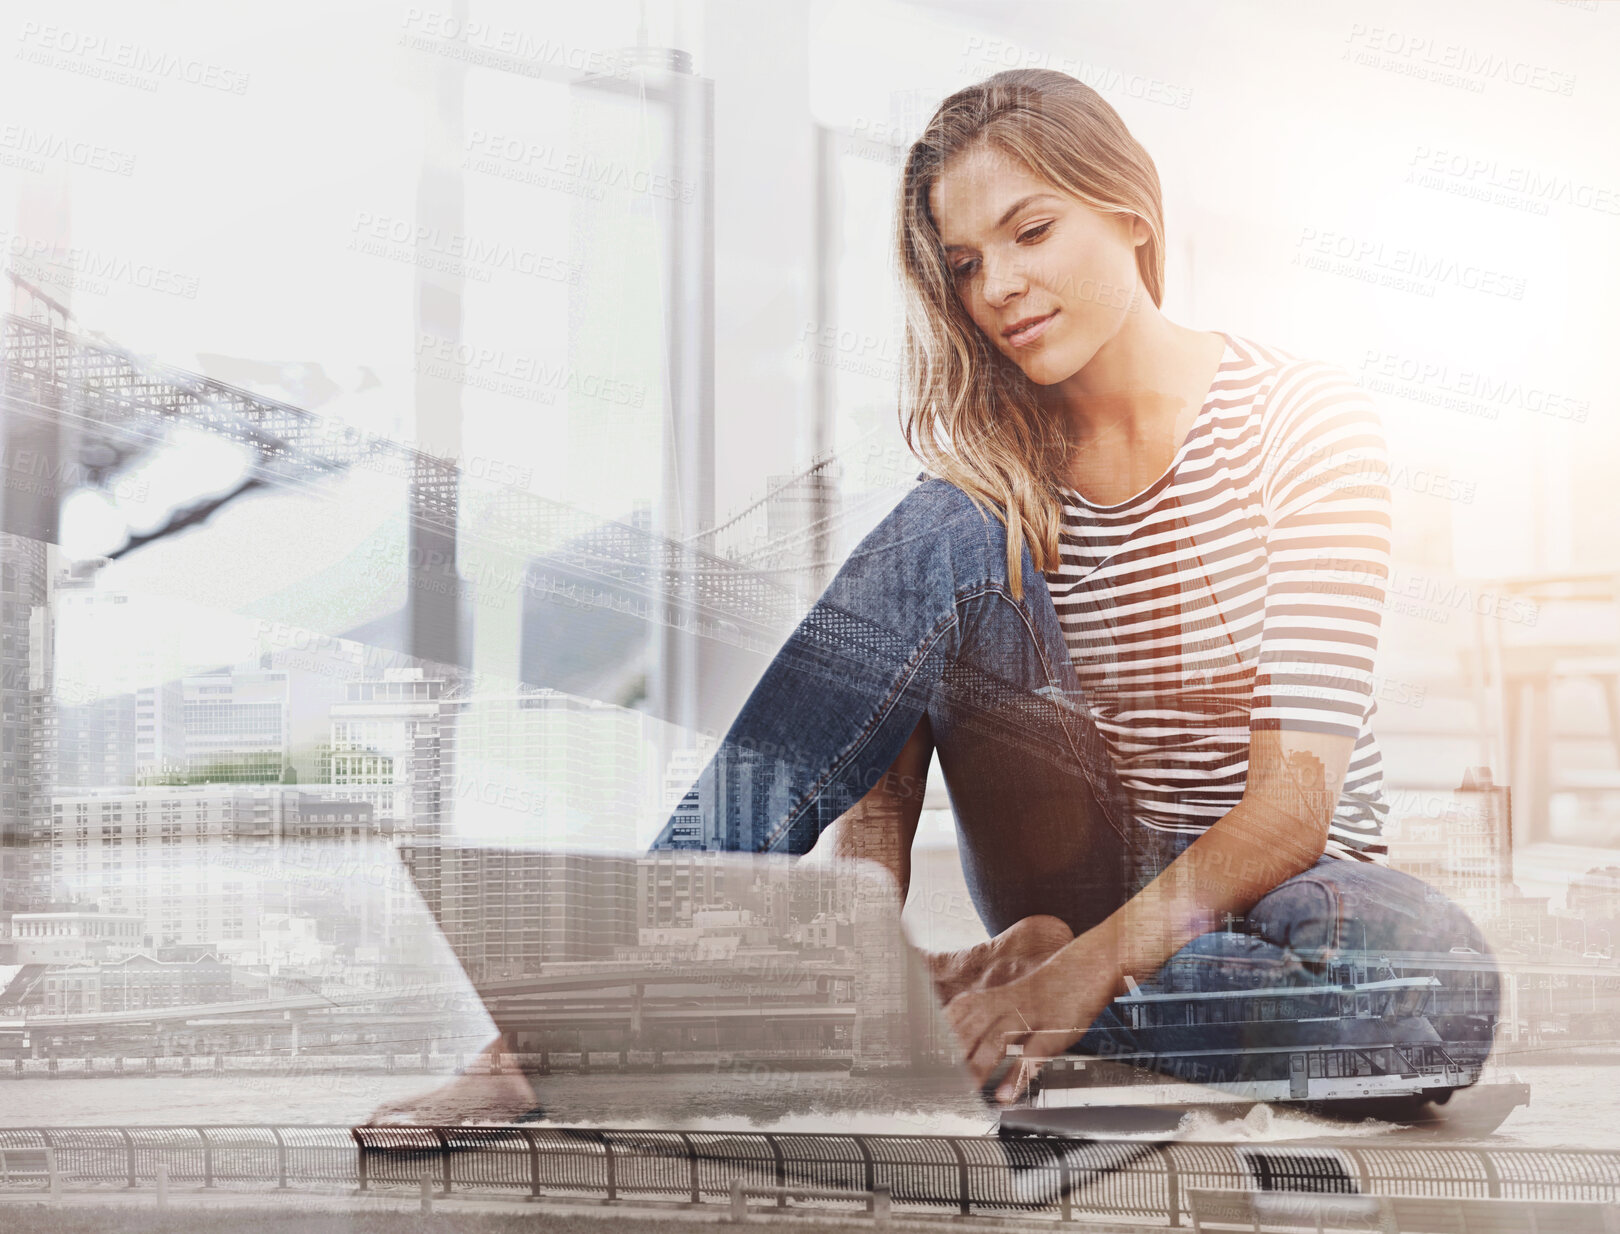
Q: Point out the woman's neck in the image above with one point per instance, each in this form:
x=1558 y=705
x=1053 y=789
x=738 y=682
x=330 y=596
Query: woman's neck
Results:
x=1138 y=381
x=1126 y=414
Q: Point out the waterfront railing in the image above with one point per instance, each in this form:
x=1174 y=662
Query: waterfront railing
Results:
x=966 y=1175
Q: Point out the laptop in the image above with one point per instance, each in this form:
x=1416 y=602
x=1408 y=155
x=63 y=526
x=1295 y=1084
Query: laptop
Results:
x=743 y=968
x=727 y=991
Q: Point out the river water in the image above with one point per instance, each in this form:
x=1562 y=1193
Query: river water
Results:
x=1571 y=1105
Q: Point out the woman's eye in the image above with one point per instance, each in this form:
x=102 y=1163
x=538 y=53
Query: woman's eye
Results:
x=963 y=269
x=1035 y=233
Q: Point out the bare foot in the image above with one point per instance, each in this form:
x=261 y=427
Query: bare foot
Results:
x=464 y=1099
x=1024 y=945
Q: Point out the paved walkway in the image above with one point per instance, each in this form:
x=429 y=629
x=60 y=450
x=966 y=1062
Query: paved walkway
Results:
x=808 y=1219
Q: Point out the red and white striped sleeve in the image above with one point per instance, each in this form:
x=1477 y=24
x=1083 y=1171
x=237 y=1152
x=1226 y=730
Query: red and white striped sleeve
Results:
x=1325 y=494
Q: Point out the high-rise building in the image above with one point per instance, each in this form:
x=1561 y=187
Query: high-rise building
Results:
x=671 y=885
x=532 y=780
x=182 y=858
x=94 y=664
x=24 y=865
x=889 y=1029
x=336 y=869
x=681 y=788
x=508 y=911
x=199 y=864
x=545 y=768
x=236 y=726
x=737 y=799
x=160 y=728
x=104 y=703
x=386 y=750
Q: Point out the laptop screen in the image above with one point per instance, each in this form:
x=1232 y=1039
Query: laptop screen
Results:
x=686 y=988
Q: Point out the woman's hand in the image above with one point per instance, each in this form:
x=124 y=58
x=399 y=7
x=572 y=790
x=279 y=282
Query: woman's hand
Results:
x=1046 y=1010
x=1020 y=948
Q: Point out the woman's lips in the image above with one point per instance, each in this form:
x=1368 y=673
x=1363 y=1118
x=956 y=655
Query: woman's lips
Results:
x=1031 y=332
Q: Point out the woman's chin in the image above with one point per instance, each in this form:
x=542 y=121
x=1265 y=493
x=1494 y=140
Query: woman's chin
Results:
x=1043 y=372
x=1046 y=364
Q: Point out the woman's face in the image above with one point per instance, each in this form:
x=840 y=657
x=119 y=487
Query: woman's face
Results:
x=1047 y=278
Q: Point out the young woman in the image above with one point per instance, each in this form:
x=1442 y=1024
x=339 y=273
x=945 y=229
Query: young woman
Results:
x=1149 y=676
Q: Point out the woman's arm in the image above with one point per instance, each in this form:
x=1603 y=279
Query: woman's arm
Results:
x=1278 y=829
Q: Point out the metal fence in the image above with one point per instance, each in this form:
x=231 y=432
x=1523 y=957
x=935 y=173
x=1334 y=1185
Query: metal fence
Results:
x=962 y=1174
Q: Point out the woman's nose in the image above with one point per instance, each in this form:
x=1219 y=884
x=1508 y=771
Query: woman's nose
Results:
x=1002 y=283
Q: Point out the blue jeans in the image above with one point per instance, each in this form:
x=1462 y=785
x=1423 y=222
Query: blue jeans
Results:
x=919 y=621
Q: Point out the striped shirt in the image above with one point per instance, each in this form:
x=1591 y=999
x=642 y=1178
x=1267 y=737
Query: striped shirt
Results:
x=1242 y=590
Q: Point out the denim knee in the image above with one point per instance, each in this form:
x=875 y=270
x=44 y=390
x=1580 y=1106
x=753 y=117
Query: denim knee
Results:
x=1341 y=906
x=947 y=517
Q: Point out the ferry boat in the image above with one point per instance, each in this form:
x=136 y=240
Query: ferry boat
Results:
x=1361 y=1049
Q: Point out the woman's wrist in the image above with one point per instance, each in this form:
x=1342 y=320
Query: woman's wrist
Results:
x=1089 y=959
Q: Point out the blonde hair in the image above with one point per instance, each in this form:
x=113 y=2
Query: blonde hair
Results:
x=1004 y=448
